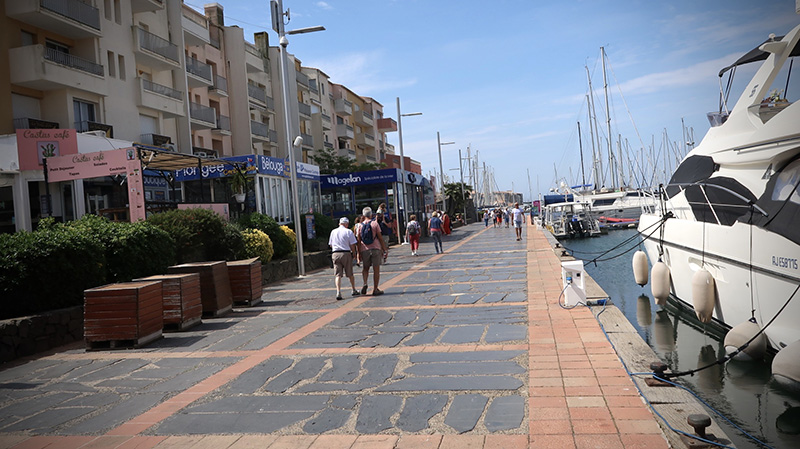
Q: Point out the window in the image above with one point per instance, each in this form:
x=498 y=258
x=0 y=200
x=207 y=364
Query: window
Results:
x=112 y=69
x=107 y=9
x=84 y=112
x=57 y=46
x=121 y=60
x=27 y=38
x=117 y=12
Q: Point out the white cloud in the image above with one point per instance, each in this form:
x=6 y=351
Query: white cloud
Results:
x=361 y=72
x=324 y=5
x=694 y=74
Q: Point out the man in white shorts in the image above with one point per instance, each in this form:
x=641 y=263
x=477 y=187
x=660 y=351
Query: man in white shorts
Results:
x=343 y=244
x=519 y=218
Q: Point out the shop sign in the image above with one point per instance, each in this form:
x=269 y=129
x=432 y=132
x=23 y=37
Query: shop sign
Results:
x=307 y=171
x=33 y=145
x=220 y=170
x=89 y=165
x=360 y=178
x=273 y=166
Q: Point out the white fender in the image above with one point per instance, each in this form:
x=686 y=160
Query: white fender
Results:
x=741 y=334
x=703 y=295
x=660 y=284
x=786 y=367
x=640 y=267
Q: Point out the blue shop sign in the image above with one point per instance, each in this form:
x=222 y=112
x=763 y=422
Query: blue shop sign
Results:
x=360 y=178
x=216 y=171
x=307 y=171
x=273 y=166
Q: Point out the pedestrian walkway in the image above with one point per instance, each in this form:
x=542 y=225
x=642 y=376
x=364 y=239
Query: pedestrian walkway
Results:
x=467 y=349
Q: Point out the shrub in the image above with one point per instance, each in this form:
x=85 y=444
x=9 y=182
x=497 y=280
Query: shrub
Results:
x=48 y=269
x=197 y=232
x=132 y=250
x=230 y=247
x=323 y=226
x=282 y=244
x=257 y=244
x=291 y=236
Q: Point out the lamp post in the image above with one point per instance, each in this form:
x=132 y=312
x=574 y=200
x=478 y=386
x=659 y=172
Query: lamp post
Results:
x=278 y=26
x=463 y=196
x=402 y=167
x=441 y=170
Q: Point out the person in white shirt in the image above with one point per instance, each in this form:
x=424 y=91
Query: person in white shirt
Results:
x=343 y=244
x=519 y=218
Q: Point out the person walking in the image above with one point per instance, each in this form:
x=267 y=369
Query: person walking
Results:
x=486 y=217
x=413 y=230
x=435 y=227
x=519 y=218
x=343 y=244
x=506 y=216
x=373 y=250
x=446 y=224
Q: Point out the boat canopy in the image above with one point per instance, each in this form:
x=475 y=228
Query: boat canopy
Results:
x=758 y=55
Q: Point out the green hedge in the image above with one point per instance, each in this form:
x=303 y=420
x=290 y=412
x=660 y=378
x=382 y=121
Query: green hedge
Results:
x=48 y=269
x=199 y=234
x=281 y=243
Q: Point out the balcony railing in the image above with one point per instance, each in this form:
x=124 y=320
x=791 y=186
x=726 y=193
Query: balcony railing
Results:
x=325 y=117
x=304 y=109
x=66 y=59
x=302 y=78
x=223 y=122
x=198 y=68
x=270 y=104
x=163 y=90
x=259 y=129
x=221 y=83
x=273 y=136
x=369 y=137
x=327 y=144
x=367 y=115
x=157 y=45
x=252 y=49
x=155 y=139
x=34 y=123
x=203 y=113
x=87 y=125
x=257 y=93
x=308 y=139
x=75 y=10
x=312 y=85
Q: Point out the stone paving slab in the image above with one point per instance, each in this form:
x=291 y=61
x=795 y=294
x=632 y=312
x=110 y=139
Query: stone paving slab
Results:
x=449 y=357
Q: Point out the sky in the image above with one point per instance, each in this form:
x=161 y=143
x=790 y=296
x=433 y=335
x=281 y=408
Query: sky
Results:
x=507 y=79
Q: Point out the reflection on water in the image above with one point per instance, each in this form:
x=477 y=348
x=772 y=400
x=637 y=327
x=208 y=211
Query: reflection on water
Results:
x=741 y=391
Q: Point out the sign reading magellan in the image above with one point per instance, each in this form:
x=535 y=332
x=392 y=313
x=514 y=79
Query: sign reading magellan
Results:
x=360 y=178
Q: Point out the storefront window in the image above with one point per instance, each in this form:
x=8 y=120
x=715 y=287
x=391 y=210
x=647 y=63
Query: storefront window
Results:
x=308 y=195
x=107 y=196
x=275 y=198
x=7 y=217
x=371 y=196
x=337 y=202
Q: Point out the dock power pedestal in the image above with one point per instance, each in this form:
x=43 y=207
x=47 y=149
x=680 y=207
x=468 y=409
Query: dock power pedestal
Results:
x=572 y=278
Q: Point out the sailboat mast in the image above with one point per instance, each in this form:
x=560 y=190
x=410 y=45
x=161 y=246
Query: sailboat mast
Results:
x=611 y=163
x=597 y=159
x=580 y=145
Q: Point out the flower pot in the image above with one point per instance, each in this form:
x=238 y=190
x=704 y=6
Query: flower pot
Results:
x=240 y=197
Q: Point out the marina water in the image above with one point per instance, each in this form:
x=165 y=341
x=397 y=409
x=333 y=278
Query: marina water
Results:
x=743 y=392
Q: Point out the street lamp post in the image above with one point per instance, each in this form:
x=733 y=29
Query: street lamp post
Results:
x=441 y=170
x=278 y=26
x=402 y=169
x=463 y=196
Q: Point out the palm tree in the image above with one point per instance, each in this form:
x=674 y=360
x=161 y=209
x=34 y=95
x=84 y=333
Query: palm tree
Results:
x=456 y=196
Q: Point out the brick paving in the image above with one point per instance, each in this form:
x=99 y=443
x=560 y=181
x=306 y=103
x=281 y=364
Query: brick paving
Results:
x=467 y=349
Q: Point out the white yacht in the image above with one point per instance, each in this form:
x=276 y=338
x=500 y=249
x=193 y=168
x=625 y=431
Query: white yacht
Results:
x=570 y=220
x=617 y=204
x=732 y=207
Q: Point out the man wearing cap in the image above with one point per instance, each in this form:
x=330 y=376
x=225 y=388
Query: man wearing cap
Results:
x=343 y=243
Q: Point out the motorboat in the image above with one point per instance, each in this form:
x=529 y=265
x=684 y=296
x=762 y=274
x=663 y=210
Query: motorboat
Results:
x=570 y=220
x=618 y=204
x=728 y=224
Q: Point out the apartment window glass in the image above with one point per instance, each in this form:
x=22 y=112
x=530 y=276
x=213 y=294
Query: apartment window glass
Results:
x=57 y=46
x=117 y=12
x=27 y=38
x=84 y=112
x=107 y=9
x=112 y=69
x=121 y=63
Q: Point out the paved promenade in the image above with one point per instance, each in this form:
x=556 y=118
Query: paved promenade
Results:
x=466 y=349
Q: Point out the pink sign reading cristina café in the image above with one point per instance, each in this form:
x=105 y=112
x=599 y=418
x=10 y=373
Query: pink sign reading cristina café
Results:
x=103 y=163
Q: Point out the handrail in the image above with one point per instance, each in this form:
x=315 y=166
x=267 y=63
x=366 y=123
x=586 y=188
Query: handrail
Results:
x=75 y=10
x=160 y=89
x=66 y=59
x=157 y=44
x=198 y=68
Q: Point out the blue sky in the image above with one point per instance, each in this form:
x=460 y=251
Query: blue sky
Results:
x=507 y=78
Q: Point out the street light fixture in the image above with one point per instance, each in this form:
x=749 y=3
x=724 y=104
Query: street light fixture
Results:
x=278 y=25
x=441 y=170
x=402 y=168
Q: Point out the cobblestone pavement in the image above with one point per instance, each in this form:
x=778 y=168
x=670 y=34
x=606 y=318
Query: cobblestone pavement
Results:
x=459 y=352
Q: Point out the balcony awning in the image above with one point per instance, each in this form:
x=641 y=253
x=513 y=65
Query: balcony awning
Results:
x=155 y=158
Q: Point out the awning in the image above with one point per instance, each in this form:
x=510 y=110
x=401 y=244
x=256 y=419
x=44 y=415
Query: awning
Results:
x=757 y=55
x=155 y=158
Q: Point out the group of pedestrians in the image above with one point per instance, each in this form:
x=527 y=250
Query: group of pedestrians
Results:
x=507 y=215
x=438 y=225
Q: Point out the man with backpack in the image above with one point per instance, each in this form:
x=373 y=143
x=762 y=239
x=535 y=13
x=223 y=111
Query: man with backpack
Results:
x=373 y=250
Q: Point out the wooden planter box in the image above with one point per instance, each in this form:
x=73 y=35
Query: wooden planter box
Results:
x=215 y=286
x=125 y=315
x=245 y=277
x=181 y=299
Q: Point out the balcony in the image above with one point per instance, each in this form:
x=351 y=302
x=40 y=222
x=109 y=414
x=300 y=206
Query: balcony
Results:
x=34 y=123
x=312 y=86
x=386 y=125
x=70 y=18
x=326 y=121
x=342 y=106
x=259 y=131
x=364 y=140
x=198 y=73
x=220 y=86
x=273 y=137
x=364 y=118
x=344 y=131
x=304 y=109
x=161 y=98
x=87 y=126
x=328 y=145
x=155 y=51
x=371 y=158
x=203 y=152
x=138 y=6
x=253 y=60
x=195 y=28
x=223 y=125
x=302 y=79
x=202 y=117
x=308 y=140
x=42 y=68
x=257 y=93
x=270 y=104
x=155 y=139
